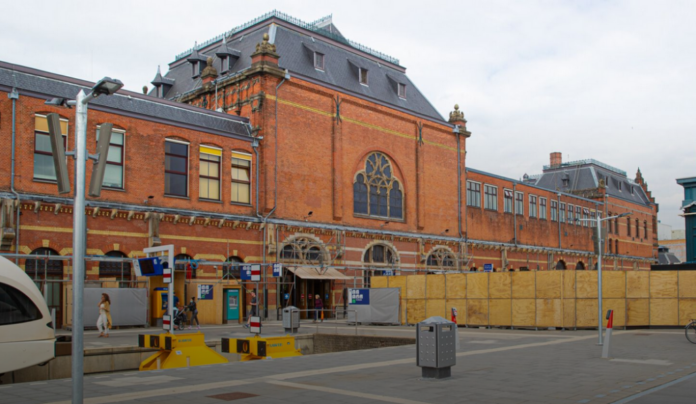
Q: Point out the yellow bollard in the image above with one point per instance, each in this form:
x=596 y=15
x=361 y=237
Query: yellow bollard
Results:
x=178 y=351
x=261 y=347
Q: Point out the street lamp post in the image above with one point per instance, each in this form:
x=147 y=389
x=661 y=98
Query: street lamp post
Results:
x=105 y=86
x=599 y=268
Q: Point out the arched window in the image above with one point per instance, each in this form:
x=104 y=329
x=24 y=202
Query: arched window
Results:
x=378 y=255
x=233 y=269
x=610 y=245
x=181 y=262
x=579 y=266
x=303 y=250
x=441 y=258
x=616 y=246
x=609 y=230
x=115 y=268
x=560 y=265
x=376 y=192
x=44 y=266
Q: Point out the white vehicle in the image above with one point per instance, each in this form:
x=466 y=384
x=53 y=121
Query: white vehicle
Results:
x=26 y=332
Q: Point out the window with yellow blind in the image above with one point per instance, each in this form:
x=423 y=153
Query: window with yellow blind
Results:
x=241 y=177
x=210 y=173
x=44 y=168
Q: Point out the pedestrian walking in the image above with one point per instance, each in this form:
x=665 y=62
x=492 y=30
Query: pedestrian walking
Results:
x=194 y=313
x=318 y=308
x=253 y=310
x=104 y=321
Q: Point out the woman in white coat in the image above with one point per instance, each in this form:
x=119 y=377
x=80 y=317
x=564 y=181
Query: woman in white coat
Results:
x=104 y=321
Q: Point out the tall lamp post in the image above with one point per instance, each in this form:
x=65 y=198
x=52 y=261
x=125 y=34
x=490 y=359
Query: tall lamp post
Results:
x=599 y=221
x=105 y=86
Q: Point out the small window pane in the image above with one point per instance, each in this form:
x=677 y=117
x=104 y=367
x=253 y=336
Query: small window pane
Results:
x=176 y=148
x=113 y=176
x=175 y=184
x=115 y=155
x=172 y=163
x=43 y=143
x=240 y=192
x=44 y=168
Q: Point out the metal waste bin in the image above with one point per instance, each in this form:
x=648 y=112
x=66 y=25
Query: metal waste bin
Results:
x=436 y=340
x=291 y=319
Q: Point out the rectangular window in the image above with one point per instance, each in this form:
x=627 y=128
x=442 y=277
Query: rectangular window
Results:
x=43 y=154
x=473 y=194
x=578 y=209
x=241 y=177
x=585 y=215
x=628 y=226
x=570 y=214
x=645 y=229
x=554 y=211
x=519 y=203
x=507 y=201
x=175 y=168
x=563 y=210
x=610 y=227
x=209 y=186
x=318 y=60
x=113 y=173
x=491 y=197
x=363 y=76
x=532 y=206
x=402 y=90
x=542 y=208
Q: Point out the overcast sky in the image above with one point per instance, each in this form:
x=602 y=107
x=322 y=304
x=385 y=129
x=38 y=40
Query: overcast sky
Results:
x=608 y=80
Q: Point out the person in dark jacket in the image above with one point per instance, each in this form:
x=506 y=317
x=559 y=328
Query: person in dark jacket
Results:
x=318 y=307
x=192 y=307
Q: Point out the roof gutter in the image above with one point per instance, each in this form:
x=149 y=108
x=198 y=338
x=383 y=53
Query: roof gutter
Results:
x=14 y=96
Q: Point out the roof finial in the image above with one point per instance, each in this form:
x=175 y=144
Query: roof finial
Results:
x=456 y=115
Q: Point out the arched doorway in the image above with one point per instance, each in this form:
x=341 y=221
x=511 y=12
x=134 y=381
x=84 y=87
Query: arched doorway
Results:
x=305 y=258
x=48 y=277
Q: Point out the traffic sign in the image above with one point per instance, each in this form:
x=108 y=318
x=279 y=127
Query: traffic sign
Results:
x=167 y=275
x=255 y=325
x=245 y=272
x=166 y=322
x=256 y=273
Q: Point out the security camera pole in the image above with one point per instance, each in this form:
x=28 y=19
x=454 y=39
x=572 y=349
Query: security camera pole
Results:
x=599 y=265
x=105 y=86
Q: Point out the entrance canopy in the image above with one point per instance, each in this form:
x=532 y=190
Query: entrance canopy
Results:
x=316 y=273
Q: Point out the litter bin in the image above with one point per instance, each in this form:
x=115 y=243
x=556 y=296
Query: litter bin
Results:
x=436 y=339
x=291 y=319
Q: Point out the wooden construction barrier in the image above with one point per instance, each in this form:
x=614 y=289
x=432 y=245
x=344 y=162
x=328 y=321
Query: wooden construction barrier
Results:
x=561 y=299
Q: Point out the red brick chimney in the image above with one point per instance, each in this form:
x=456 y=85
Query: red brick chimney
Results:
x=556 y=159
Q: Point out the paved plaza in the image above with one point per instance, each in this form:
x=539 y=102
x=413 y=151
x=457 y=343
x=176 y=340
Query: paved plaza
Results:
x=493 y=366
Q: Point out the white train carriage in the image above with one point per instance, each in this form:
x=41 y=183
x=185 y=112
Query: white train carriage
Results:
x=26 y=333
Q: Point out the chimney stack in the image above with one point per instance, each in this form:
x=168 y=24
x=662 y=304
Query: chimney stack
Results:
x=556 y=159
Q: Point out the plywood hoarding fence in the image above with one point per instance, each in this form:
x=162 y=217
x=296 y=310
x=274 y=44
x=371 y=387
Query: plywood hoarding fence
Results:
x=562 y=299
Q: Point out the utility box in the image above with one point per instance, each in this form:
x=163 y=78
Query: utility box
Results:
x=436 y=341
x=291 y=319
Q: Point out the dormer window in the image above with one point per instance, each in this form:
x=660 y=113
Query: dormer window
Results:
x=196 y=69
x=319 y=61
x=225 y=63
x=362 y=76
x=620 y=185
x=402 y=90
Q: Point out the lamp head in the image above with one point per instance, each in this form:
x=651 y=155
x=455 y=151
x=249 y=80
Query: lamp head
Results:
x=107 y=86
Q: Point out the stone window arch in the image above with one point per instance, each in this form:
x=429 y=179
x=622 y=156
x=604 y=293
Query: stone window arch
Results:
x=560 y=265
x=181 y=262
x=580 y=266
x=113 y=268
x=441 y=258
x=44 y=266
x=381 y=256
x=304 y=250
x=376 y=191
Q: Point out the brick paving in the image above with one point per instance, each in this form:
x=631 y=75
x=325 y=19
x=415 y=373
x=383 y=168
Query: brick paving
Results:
x=493 y=366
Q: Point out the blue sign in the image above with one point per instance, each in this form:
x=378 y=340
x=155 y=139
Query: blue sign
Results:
x=388 y=272
x=152 y=266
x=487 y=267
x=359 y=296
x=245 y=272
x=277 y=270
x=205 y=292
x=287 y=296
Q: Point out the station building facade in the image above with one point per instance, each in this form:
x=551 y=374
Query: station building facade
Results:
x=283 y=141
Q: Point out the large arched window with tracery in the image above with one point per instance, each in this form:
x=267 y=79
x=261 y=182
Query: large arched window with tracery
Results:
x=303 y=250
x=376 y=192
x=441 y=258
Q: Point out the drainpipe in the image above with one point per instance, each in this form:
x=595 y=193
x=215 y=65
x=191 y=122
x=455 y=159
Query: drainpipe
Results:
x=459 y=189
x=514 y=209
x=14 y=96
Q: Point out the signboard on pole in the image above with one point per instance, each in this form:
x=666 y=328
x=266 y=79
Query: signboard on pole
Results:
x=245 y=273
x=205 y=292
x=277 y=270
x=255 y=325
x=152 y=266
x=487 y=267
x=167 y=275
x=166 y=322
x=256 y=273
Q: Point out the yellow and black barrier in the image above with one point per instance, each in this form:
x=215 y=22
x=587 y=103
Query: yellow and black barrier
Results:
x=178 y=351
x=261 y=347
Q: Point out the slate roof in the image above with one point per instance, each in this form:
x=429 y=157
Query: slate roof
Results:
x=47 y=85
x=586 y=175
x=295 y=47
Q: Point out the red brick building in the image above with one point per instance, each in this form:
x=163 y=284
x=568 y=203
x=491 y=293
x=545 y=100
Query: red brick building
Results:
x=310 y=150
